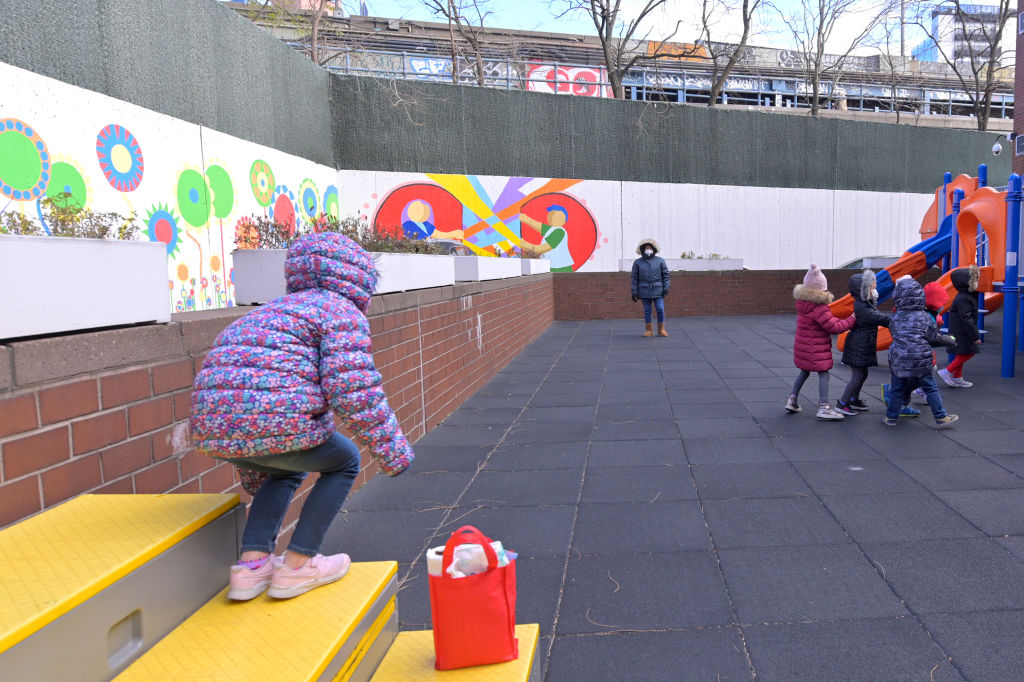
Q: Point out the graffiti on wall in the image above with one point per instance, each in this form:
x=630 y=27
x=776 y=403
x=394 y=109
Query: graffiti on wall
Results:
x=496 y=73
x=192 y=190
x=583 y=81
x=528 y=217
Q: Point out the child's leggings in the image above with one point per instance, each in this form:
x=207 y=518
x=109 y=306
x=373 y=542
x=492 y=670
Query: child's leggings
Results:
x=659 y=305
x=858 y=375
x=822 y=384
x=956 y=368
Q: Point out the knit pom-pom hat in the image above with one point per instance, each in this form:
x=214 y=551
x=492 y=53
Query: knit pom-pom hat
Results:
x=935 y=296
x=815 y=279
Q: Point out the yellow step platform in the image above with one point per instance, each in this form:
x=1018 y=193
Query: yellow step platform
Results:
x=102 y=577
x=336 y=632
x=411 y=659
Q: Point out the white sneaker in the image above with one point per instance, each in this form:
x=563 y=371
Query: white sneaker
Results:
x=825 y=411
x=948 y=378
x=963 y=383
x=919 y=396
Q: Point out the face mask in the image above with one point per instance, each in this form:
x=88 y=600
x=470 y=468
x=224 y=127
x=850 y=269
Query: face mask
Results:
x=648 y=252
x=874 y=294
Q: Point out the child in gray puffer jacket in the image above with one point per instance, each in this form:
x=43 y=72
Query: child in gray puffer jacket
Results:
x=914 y=333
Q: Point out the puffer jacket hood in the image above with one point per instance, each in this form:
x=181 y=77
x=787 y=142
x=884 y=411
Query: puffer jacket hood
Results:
x=647 y=240
x=331 y=262
x=908 y=295
x=815 y=296
x=861 y=343
x=861 y=285
x=965 y=279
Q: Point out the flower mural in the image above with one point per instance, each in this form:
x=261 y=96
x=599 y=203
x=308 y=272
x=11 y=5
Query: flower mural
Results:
x=120 y=157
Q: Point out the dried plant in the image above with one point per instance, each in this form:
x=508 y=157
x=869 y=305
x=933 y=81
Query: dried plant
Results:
x=65 y=217
x=260 y=232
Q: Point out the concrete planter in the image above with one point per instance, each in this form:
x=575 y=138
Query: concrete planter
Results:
x=259 y=273
x=535 y=266
x=57 y=284
x=691 y=264
x=480 y=268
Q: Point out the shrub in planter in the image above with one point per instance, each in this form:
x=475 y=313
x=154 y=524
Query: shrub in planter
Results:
x=65 y=217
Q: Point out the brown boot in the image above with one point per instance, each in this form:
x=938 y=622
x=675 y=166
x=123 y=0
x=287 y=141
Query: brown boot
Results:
x=650 y=330
x=661 y=329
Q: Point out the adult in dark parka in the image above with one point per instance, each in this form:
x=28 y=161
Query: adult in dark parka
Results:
x=963 y=324
x=860 y=351
x=650 y=283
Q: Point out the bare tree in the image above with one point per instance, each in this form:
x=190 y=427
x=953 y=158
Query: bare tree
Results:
x=470 y=30
x=619 y=36
x=812 y=25
x=971 y=44
x=724 y=56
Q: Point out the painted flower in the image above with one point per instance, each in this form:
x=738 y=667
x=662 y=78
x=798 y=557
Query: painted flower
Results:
x=120 y=157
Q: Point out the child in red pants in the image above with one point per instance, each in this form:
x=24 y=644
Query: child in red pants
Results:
x=963 y=324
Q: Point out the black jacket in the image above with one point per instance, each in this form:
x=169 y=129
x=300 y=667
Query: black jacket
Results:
x=862 y=341
x=963 y=314
x=914 y=332
x=650 y=277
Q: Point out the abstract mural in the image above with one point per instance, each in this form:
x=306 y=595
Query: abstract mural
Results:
x=190 y=188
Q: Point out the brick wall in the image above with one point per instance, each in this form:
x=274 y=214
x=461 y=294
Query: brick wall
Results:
x=605 y=295
x=107 y=411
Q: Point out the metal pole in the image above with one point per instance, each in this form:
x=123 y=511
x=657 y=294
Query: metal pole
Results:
x=1011 y=287
x=947 y=178
x=958 y=196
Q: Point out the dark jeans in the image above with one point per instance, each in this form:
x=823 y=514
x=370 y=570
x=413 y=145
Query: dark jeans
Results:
x=899 y=395
x=659 y=305
x=858 y=375
x=337 y=461
x=822 y=384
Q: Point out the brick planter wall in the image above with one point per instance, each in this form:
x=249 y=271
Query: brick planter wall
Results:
x=605 y=295
x=107 y=411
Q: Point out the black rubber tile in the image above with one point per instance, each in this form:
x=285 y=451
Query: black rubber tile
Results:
x=781 y=423
x=608 y=593
x=463 y=435
x=530 y=456
x=503 y=416
x=823 y=448
x=984 y=644
x=895 y=648
x=730 y=427
x=996 y=512
x=787 y=584
x=751 y=371
x=989 y=442
x=549 y=399
x=493 y=401
x=701 y=410
x=638 y=430
x=559 y=387
x=960 y=473
x=747 y=383
x=1014 y=463
x=530 y=531
x=649 y=397
x=856 y=477
x=381 y=535
x=1014 y=545
x=942 y=576
x=550 y=432
x=409 y=490
x=683 y=397
x=436 y=458
x=613 y=453
x=771 y=523
x=748 y=480
x=509 y=389
x=899 y=444
x=776 y=395
x=558 y=414
x=900 y=516
x=731 y=450
x=658 y=526
x=524 y=488
x=623 y=413
x=637 y=484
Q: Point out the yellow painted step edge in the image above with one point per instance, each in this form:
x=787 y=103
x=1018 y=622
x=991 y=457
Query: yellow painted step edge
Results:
x=364 y=645
x=411 y=659
x=65 y=605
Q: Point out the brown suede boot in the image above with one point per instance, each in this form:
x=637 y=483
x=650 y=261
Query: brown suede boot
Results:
x=661 y=329
x=650 y=330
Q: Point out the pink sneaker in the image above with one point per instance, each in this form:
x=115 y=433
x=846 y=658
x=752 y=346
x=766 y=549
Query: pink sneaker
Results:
x=247 y=583
x=317 y=571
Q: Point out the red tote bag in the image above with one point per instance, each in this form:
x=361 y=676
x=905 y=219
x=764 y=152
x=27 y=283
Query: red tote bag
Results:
x=474 y=617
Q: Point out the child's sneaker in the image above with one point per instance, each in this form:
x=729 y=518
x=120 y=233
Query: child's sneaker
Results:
x=248 y=583
x=908 y=411
x=859 y=405
x=885 y=394
x=948 y=378
x=946 y=421
x=919 y=396
x=792 y=405
x=846 y=410
x=826 y=412
x=963 y=383
x=888 y=421
x=317 y=571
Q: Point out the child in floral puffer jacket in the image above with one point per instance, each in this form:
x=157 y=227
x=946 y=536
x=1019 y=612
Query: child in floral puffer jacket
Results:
x=265 y=400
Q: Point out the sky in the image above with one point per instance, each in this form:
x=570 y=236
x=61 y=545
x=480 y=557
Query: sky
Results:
x=542 y=15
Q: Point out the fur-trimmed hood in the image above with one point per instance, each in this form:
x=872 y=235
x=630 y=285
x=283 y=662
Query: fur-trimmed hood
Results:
x=647 y=240
x=862 y=284
x=966 y=279
x=816 y=296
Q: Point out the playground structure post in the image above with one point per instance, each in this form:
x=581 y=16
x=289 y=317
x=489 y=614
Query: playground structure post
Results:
x=954 y=256
x=1011 y=285
x=947 y=178
x=980 y=251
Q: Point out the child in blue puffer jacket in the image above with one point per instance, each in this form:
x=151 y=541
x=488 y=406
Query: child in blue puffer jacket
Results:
x=265 y=400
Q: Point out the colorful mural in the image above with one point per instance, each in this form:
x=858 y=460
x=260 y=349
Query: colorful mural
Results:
x=527 y=217
x=191 y=188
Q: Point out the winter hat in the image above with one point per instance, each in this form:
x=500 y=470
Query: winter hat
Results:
x=815 y=279
x=935 y=296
